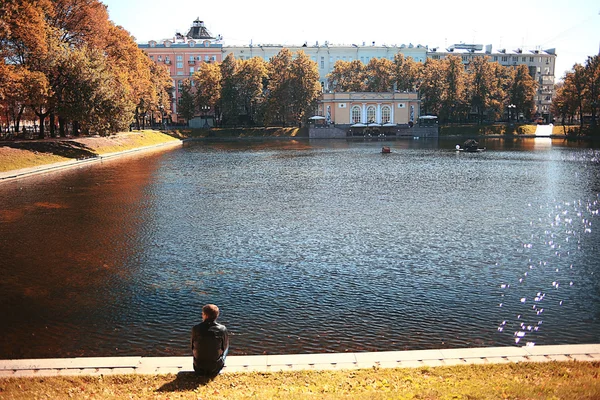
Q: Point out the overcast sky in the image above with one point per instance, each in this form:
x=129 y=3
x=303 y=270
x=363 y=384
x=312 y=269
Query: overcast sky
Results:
x=572 y=27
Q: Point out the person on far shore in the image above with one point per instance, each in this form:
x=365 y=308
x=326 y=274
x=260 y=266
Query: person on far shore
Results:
x=210 y=343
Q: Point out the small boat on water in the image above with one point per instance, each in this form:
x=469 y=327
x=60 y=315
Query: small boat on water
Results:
x=470 y=146
x=385 y=150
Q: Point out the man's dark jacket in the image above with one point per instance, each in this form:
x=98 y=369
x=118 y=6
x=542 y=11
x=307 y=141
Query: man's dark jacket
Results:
x=210 y=343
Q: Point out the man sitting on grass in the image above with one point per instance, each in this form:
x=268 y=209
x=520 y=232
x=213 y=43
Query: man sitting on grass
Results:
x=210 y=343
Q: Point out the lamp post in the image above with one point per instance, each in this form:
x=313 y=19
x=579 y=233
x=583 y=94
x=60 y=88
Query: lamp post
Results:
x=204 y=111
x=511 y=111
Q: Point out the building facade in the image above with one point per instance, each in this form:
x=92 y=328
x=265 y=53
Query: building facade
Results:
x=541 y=64
x=399 y=108
x=326 y=55
x=182 y=55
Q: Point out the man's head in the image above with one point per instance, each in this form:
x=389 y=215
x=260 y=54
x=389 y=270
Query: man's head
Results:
x=210 y=312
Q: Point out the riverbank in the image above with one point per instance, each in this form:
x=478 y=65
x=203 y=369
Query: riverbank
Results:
x=538 y=372
x=23 y=158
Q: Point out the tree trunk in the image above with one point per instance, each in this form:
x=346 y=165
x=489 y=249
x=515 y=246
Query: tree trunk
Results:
x=52 y=127
x=76 y=128
x=61 y=127
x=42 y=134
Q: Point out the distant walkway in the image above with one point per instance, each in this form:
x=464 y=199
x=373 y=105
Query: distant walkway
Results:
x=331 y=361
x=544 y=130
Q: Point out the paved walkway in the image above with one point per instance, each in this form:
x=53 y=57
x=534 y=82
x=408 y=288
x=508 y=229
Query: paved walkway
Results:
x=42 y=169
x=330 y=361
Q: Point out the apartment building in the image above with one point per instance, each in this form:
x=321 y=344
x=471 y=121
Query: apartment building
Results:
x=541 y=64
x=183 y=54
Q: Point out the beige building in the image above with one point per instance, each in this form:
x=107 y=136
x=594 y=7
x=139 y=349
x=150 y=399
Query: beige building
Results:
x=398 y=108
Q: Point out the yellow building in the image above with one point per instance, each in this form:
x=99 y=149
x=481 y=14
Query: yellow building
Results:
x=368 y=107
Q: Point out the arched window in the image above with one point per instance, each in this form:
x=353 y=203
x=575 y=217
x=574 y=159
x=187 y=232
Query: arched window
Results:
x=386 y=113
x=356 y=114
x=371 y=114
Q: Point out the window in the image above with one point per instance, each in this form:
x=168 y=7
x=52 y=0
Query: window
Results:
x=159 y=58
x=523 y=59
x=515 y=59
x=465 y=58
x=504 y=58
x=495 y=58
x=191 y=70
x=191 y=58
x=331 y=59
x=152 y=58
x=356 y=114
x=179 y=58
x=386 y=113
x=179 y=72
x=530 y=59
x=179 y=64
x=371 y=114
x=322 y=62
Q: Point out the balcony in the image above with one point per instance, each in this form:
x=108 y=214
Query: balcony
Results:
x=168 y=62
x=191 y=62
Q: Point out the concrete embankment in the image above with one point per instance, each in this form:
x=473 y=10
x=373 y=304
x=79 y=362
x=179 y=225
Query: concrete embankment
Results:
x=76 y=163
x=290 y=362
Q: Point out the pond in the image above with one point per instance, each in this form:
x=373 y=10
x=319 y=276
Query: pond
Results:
x=306 y=246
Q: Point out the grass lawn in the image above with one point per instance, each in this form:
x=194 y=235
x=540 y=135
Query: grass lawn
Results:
x=552 y=380
x=32 y=153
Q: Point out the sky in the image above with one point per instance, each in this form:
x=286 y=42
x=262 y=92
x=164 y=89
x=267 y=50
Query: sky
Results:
x=571 y=27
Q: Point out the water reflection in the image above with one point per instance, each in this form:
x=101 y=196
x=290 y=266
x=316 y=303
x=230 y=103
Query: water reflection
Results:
x=307 y=247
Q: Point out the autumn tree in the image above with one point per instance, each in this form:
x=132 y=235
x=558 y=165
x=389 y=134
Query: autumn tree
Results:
x=431 y=88
x=592 y=71
x=229 y=89
x=305 y=87
x=453 y=101
x=486 y=95
x=187 y=106
x=347 y=76
x=279 y=87
x=252 y=77
x=379 y=75
x=406 y=73
x=522 y=92
x=207 y=81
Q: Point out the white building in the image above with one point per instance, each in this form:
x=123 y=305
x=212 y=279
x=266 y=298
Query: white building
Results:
x=541 y=64
x=325 y=55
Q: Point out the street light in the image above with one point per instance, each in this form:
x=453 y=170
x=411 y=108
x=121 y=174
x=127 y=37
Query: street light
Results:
x=204 y=111
x=511 y=111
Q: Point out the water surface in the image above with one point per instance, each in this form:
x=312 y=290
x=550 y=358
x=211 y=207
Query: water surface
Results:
x=307 y=246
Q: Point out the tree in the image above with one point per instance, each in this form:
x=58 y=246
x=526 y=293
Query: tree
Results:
x=229 y=89
x=379 y=73
x=252 y=77
x=347 y=76
x=279 y=87
x=486 y=94
x=592 y=69
x=406 y=73
x=208 y=87
x=305 y=87
x=431 y=87
x=522 y=92
x=453 y=102
x=187 y=106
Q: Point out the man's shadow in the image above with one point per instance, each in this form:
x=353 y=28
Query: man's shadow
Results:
x=185 y=381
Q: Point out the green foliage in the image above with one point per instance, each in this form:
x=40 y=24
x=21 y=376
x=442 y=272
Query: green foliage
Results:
x=187 y=105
